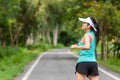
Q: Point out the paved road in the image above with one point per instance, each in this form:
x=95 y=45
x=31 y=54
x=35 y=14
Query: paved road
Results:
x=58 y=64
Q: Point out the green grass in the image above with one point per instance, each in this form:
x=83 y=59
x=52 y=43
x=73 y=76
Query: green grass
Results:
x=111 y=63
x=13 y=59
x=12 y=65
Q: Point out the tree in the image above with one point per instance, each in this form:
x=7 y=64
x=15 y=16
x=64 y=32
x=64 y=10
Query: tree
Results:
x=51 y=18
x=9 y=11
x=27 y=19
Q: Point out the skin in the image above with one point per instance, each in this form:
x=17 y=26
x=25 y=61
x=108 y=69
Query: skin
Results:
x=86 y=40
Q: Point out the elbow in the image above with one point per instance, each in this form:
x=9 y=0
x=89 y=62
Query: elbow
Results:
x=87 y=47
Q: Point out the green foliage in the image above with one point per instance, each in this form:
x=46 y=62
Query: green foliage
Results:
x=116 y=49
x=67 y=39
x=20 y=18
x=43 y=46
x=17 y=20
x=8 y=51
x=13 y=65
x=9 y=10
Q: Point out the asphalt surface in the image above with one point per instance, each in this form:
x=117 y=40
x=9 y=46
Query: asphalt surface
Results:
x=58 y=64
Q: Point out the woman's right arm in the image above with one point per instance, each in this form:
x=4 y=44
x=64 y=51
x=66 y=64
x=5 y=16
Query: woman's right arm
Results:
x=86 y=43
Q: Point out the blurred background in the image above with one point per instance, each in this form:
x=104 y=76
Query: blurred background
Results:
x=28 y=27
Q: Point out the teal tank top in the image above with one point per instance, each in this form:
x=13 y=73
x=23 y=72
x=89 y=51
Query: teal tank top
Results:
x=88 y=55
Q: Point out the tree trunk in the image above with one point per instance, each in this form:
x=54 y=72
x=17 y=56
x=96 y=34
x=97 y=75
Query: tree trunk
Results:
x=11 y=35
x=48 y=37
x=102 y=49
x=55 y=35
x=108 y=50
x=15 y=35
x=43 y=35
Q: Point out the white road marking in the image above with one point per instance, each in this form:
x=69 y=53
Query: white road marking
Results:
x=111 y=75
x=105 y=72
x=36 y=62
x=32 y=67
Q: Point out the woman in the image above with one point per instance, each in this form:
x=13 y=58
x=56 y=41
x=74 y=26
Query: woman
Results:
x=86 y=64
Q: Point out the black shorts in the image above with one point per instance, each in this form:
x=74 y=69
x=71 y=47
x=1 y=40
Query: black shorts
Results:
x=87 y=68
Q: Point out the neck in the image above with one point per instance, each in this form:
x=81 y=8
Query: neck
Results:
x=88 y=30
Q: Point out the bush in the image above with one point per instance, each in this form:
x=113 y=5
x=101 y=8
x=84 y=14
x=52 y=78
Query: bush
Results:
x=8 y=51
x=12 y=61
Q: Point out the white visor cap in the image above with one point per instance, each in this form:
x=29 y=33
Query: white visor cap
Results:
x=88 y=20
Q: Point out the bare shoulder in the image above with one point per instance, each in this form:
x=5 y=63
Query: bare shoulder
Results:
x=88 y=36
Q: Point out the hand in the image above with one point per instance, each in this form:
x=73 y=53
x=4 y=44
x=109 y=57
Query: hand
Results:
x=74 y=46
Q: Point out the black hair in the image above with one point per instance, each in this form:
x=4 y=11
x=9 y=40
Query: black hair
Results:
x=97 y=33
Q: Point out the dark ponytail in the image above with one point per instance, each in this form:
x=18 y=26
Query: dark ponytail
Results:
x=97 y=33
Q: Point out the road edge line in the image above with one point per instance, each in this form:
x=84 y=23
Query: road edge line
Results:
x=25 y=77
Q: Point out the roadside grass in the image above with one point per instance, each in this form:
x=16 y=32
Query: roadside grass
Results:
x=13 y=58
x=111 y=63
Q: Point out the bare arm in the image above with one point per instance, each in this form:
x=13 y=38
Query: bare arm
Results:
x=86 y=43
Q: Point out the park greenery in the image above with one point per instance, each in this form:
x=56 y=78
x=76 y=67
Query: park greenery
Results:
x=25 y=24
